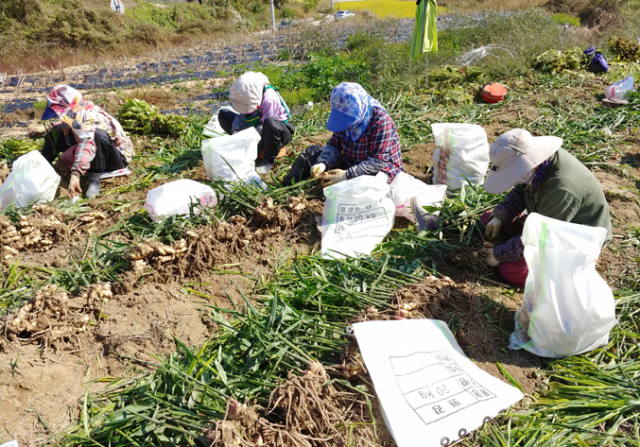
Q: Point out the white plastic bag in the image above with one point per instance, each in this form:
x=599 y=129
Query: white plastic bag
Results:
x=213 y=128
x=32 y=180
x=620 y=89
x=175 y=198
x=405 y=186
x=232 y=157
x=568 y=308
x=357 y=215
x=461 y=154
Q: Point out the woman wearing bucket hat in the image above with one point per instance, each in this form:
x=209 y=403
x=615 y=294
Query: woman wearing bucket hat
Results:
x=549 y=181
x=88 y=140
x=364 y=142
x=258 y=105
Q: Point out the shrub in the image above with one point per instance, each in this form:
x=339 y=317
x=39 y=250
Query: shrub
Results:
x=23 y=11
x=144 y=32
x=78 y=26
x=599 y=14
x=197 y=26
x=626 y=49
x=322 y=74
x=286 y=13
x=561 y=18
x=359 y=39
x=256 y=7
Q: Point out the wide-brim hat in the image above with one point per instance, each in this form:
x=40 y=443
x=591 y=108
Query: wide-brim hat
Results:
x=514 y=154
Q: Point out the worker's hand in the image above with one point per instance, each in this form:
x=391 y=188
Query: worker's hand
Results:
x=318 y=169
x=36 y=133
x=332 y=177
x=493 y=228
x=74 y=184
x=486 y=255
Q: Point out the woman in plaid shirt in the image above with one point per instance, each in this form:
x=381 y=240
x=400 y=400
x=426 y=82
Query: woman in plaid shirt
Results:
x=89 y=141
x=364 y=142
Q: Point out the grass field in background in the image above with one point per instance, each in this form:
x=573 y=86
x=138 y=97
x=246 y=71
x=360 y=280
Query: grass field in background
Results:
x=385 y=8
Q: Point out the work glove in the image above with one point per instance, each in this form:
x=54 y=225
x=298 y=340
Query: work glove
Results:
x=493 y=228
x=74 y=184
x=486 y=255
x=332 y=177
x=318 y=169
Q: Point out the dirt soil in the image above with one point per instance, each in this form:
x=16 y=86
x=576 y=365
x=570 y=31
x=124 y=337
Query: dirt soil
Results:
x=47 y=371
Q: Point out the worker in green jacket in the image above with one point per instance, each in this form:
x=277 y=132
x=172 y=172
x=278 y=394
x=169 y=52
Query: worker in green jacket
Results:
x=549 y=181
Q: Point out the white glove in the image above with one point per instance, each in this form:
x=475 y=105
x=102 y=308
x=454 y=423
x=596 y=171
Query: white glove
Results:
x=487 y=257
x=334 y=176
x=493 y=228
x=318 y=169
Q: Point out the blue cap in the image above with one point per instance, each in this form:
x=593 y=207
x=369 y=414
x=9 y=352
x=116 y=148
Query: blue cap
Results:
x=339 y=121
x=48 y=114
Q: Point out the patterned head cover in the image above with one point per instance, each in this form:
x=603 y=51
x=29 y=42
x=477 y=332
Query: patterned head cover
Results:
x=247 y=91
x=63 y=101
x=351 y=108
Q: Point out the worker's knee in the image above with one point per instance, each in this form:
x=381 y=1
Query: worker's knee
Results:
x=514 y=272
x=272 y=125
x=313 y=151
x=102 y=138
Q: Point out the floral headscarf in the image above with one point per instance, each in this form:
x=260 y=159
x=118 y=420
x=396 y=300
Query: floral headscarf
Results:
x=352 y=100
x=64 y=99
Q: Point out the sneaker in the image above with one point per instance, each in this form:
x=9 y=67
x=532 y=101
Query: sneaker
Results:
x=265 y=165
x=94 y=185
x=424 y=220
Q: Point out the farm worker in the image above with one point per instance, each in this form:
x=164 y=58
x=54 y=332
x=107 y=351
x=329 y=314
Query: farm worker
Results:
x=549 y=181
x=364 y=142
x=258 y=105
x=89 y=140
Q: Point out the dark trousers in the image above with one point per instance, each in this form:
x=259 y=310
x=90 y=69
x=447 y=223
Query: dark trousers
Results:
x=275 y=133
x=107 y=158
x=301 y=168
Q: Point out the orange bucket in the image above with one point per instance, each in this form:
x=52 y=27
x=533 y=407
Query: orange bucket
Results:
x=493 y=93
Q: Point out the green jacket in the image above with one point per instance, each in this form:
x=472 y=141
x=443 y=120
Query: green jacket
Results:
x=569 y=192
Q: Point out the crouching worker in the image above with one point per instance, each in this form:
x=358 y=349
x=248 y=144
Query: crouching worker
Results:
x=549 y=181
x=364 y=142
x=88 y=140
x=258 y=105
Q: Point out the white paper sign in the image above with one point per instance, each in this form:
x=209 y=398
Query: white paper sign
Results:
x=117 y=6
x=431 y=394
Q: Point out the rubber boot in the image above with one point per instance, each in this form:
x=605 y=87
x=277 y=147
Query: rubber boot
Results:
x=94 y=185
x=424 y=220
x=265 y=165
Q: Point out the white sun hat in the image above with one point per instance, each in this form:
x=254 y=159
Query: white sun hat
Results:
x=513 y=155
x=246 y=92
